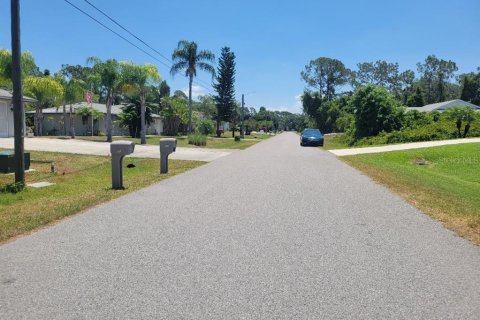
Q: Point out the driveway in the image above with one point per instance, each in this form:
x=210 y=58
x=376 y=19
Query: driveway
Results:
x=103 y=149
x=276 y=231
x=403 y=146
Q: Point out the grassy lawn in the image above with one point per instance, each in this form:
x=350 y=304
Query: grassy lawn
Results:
x=331 y=142
x=447 y=187
x=81 y=182
x=224 y=142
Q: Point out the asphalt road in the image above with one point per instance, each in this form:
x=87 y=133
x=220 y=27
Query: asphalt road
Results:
x=273 y=232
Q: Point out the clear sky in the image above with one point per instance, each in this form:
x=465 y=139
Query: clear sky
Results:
x=273 y=40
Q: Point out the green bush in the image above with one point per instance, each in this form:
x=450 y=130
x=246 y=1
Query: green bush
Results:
x=206 y=126
x=12 y=187
x=440 y=130
x=197 y=139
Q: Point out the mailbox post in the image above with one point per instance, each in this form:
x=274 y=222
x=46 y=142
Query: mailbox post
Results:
x=167 y=146
x=119 y=149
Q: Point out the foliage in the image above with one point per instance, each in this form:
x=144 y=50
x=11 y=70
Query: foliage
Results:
x=205 y=126
x=471 y=87
x=107 y=75
x=174 y=113
x=187 y=58
x=164 y=89
x=87 y=111
x=29 y=68
x=130 y=117
x=440 y=130
x=413 y=119
x=375 y=111
x=417 y=99
x=459 y=115
x=326 y=75
x=435 y=74
x=47 y=91
x=197 y=139
x=136 y=80
x=14 y=187
x=224 y=86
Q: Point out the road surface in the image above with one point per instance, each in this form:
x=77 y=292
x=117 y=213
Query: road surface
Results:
x=273 y=232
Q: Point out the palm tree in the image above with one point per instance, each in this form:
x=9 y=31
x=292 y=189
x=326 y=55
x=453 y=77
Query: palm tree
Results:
x=460 y=114
x=109 y=76
x=137 y=77
x=186 y=57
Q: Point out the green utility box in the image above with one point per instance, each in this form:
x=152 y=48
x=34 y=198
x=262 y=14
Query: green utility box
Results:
x=7 y=161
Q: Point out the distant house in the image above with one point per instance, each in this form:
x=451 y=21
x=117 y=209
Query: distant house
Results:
x=53 y=121
x=6 y=113
x=442 y=106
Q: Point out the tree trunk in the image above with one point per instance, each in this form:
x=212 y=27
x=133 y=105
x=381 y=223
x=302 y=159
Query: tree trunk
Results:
x=143 y=139
x=465 y=131
x=64 y=118
x=72 y=123
x=35 y=121
x=218 y=128
x=108 y=118
x=459 y=127
x=190 y=104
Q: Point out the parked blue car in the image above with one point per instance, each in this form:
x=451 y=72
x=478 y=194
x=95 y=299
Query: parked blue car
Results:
x=311 y=137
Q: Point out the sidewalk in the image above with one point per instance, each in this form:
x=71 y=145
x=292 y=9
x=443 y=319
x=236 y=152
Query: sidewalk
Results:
x=103 y=149
x=405 y=146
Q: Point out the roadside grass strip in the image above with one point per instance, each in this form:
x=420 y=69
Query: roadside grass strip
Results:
x=80 y=182
x=443 y=182
x=226 y=142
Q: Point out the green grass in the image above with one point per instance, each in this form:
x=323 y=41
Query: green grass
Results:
x=226 y=142
x=338 y=141
x=447 y=187
x=81 y=182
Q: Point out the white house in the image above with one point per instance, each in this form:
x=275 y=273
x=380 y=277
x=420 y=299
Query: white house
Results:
x=442 y=106
x=6 y=113
x=53 y=121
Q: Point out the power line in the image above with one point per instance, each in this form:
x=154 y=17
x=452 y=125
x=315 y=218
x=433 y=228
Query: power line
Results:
x=118 y=24
x=128 y=41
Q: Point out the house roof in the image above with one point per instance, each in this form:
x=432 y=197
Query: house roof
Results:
x=442 y=106
x=7 y=95
x=101 y=107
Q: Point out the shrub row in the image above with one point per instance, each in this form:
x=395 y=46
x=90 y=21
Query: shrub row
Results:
x=441 y=130
x=197 y=139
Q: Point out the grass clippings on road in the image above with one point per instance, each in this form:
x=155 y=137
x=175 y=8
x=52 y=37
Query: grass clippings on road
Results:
x=443 y=182
x=81 y=182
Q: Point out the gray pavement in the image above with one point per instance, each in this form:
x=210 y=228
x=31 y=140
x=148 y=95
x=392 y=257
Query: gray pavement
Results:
x=402 y=146
x=103 y=149
x=273 y=232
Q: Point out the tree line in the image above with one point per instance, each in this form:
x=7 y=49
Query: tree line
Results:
x=370 y=99
x=142 y=92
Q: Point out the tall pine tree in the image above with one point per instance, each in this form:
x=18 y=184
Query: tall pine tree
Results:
x=224 y=86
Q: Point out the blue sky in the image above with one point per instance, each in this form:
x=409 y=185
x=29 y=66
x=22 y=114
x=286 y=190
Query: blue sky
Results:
x=273 y=40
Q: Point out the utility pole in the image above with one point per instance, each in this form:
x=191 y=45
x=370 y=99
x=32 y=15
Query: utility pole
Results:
x=18 y=114
x=242 y=115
